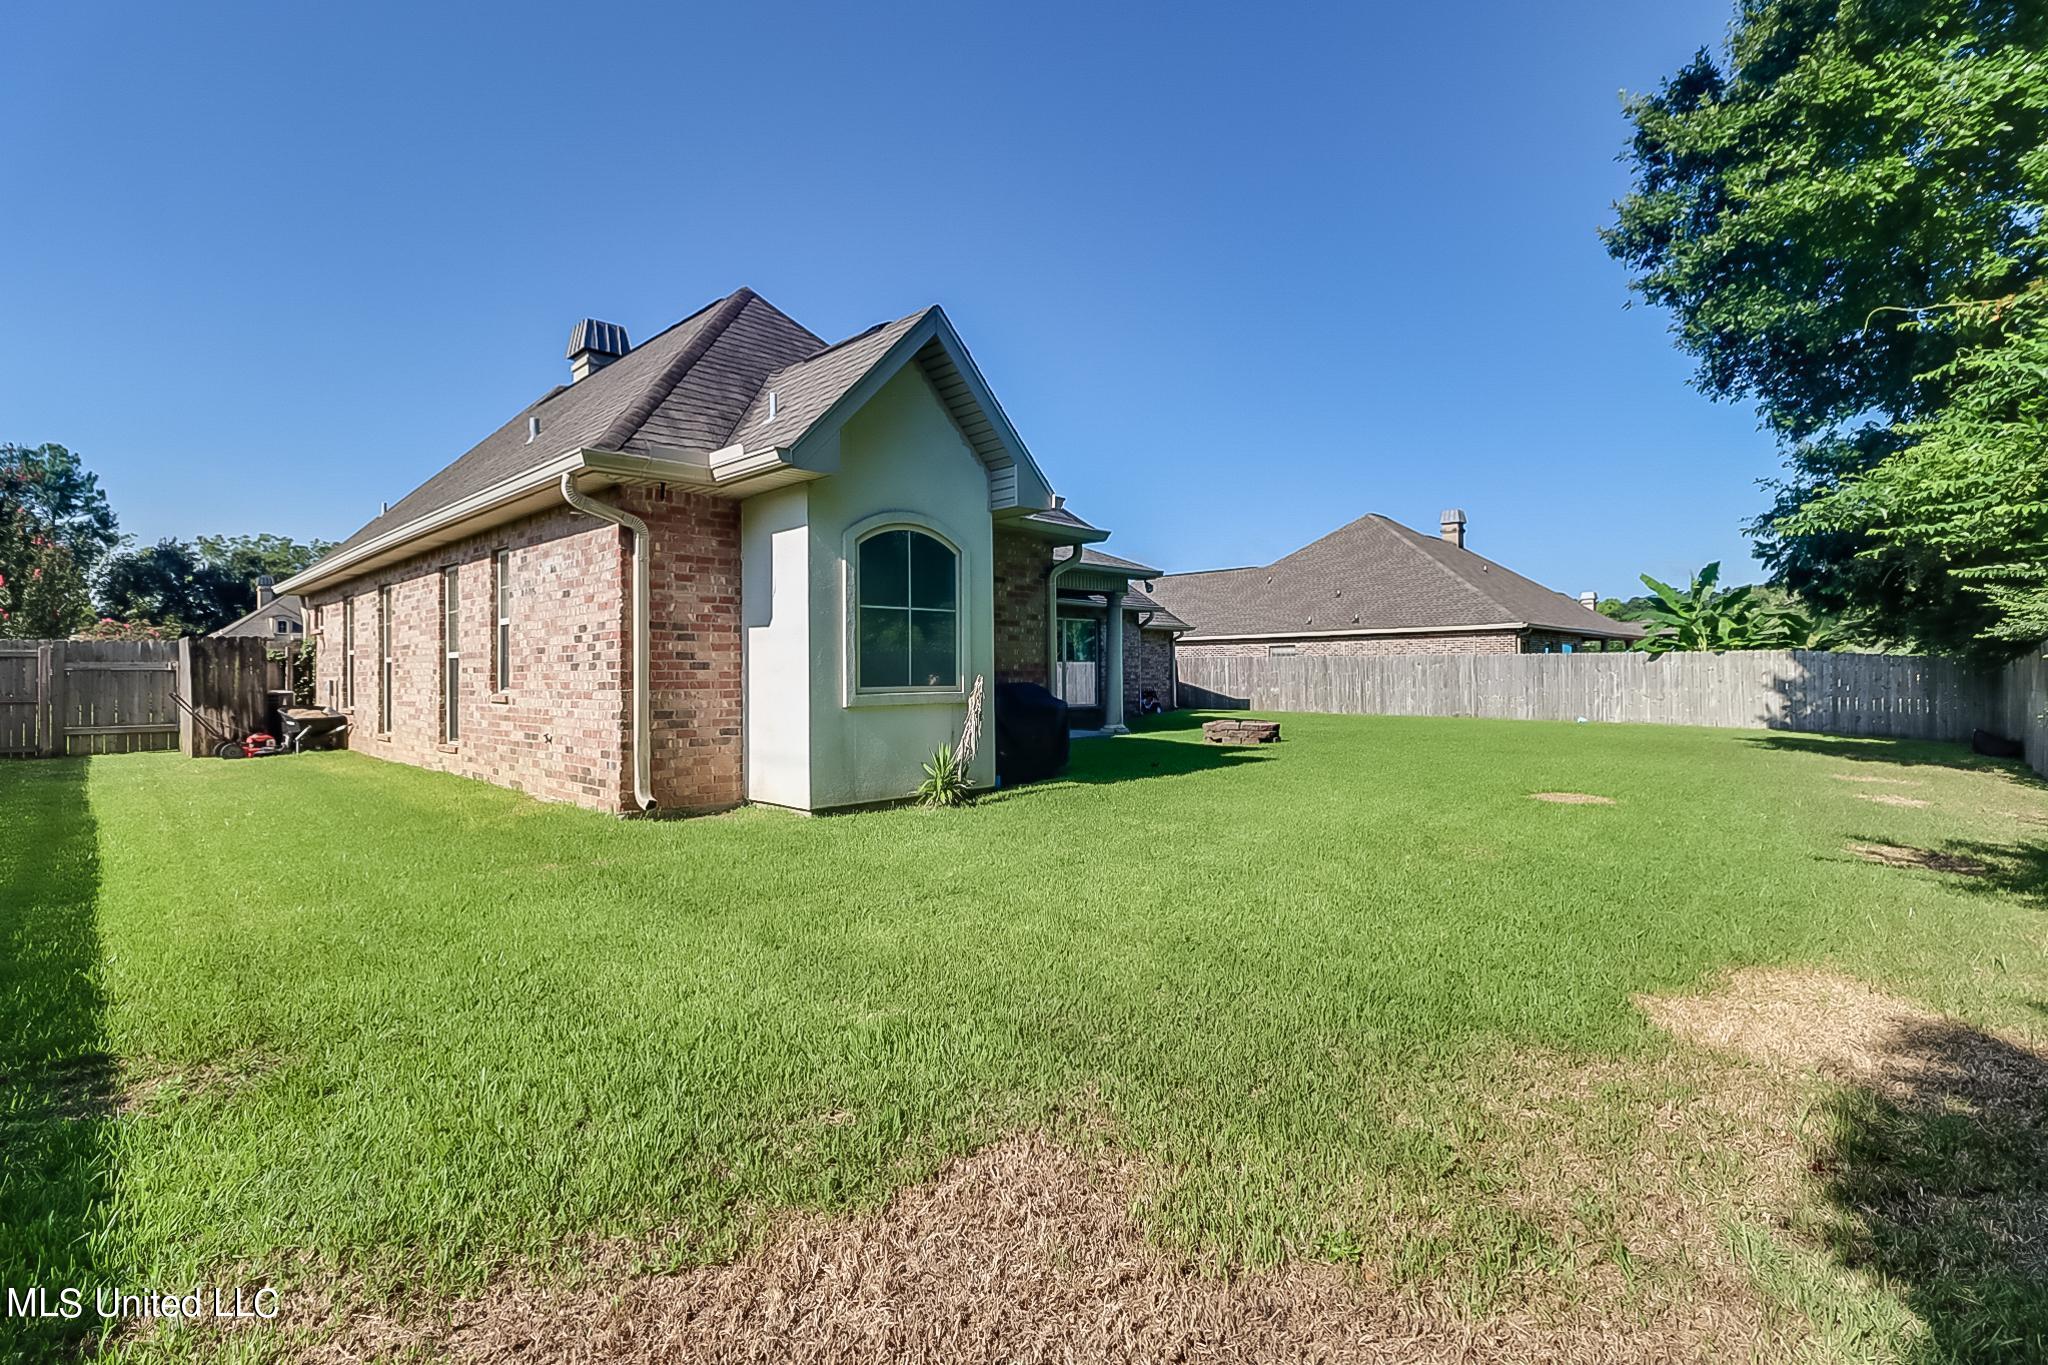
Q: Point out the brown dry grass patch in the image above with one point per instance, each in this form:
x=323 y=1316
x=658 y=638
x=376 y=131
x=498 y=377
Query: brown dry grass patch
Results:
x=1891 y=799
x=1919 y=859
x=1572 y=798
x=1877 y=781
x=1027 y=1251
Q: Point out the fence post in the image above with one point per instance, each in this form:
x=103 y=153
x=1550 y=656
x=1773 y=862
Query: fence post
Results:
x=188 y=731
x=56 y=698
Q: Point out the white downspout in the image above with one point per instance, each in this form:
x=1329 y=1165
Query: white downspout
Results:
x=643 y=700
x=1052 y=621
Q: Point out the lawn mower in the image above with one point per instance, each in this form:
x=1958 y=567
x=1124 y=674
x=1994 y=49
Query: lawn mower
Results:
x=303 y=726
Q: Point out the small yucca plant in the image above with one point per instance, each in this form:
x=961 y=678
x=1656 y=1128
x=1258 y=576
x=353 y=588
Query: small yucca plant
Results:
x=945 y=779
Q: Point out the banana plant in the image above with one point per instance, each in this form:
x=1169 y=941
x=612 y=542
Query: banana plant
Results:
x=1702 y=616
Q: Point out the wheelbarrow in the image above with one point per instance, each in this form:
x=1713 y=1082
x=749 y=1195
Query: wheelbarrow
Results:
x=301 y=725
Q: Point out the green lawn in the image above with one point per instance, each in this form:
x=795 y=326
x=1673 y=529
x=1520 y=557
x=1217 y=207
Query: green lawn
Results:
x=407 y=1028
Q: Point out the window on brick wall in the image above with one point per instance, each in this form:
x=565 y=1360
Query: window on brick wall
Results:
x=348 y=652
x=386 y=670
x=451 y=654
x=501 y=659
x=907 y=612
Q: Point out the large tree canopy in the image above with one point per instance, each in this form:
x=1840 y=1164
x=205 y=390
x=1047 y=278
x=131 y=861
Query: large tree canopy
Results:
x=55 y=528
x=1813 y=210
x=198 y=588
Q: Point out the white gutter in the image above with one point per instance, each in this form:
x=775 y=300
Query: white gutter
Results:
x=643 y=701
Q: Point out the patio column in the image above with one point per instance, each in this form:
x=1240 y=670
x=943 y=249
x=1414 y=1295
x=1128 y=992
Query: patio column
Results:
x=1113 y=666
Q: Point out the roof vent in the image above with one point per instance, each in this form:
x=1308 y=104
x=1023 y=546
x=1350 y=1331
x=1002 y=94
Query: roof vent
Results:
x=1452 y=524
x=594 y=345
x=1590 y=601
x=533 y=428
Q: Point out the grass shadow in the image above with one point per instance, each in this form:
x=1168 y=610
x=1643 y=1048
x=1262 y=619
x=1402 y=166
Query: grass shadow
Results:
x=1904 y=753
x=1137 y=757
x=57 y=1078
x=1936 y=1179
x=2009 y=871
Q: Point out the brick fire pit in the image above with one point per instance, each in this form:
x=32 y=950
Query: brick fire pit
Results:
x=1241 y=731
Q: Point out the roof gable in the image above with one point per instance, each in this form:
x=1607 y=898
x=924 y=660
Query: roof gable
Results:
x=737 y=374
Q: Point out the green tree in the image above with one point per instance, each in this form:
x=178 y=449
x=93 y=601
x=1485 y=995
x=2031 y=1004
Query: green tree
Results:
x=170 y=584
x=251 y=557
x=1970 y=487
x=1850 y=167
x=55 y=526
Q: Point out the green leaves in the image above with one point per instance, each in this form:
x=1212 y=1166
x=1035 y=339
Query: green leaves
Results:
x=945 y=780
x=1839 y=215
x=1703 y=616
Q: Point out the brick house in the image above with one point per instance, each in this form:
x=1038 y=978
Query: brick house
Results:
x=1378 y=587
x=732 y=563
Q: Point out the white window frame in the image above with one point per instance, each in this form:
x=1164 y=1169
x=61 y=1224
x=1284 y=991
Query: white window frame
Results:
x=501 y=638
x=965 y=609
x=451 y=654
x=348 y=653
x=387 y=665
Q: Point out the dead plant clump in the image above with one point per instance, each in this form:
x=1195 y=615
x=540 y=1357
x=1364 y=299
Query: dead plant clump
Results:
x=1572 y=798
x=1023 y=1252
x=1890 y=799
x=1919 y=859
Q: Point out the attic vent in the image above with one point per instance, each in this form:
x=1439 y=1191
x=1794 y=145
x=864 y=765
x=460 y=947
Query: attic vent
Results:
x=533 y=429
x=594 y=345
x=771 y=405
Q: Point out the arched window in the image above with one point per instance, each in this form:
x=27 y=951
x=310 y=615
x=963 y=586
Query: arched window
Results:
x=907 y=632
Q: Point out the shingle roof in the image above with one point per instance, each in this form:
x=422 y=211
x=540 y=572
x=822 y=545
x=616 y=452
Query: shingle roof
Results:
x=693 y=389
x=1137 y=600
x=1374 y=574
x=1094 y=558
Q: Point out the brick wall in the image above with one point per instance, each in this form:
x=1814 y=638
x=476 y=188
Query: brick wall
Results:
x=1148 y=667
x=694 y=647
x=1022 y=634
x=560 y=730
x=1481 y=642
x=557 y=731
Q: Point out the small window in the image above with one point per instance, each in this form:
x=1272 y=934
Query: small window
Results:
x=283 y=626
x=385 y=668
x=348 y=652
x=501 y=662
x=1281 y=651
x=451 y=647
x=908 y=622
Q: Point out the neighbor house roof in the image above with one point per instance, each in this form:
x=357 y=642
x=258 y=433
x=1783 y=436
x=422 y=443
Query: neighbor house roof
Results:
x=1374 y=575
x=263 y=620
x=718 y=399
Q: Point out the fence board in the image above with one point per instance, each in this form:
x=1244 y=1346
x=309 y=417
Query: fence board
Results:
x=1898 y=696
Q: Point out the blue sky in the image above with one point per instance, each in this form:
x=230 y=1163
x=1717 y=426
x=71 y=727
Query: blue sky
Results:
x=1238 y=274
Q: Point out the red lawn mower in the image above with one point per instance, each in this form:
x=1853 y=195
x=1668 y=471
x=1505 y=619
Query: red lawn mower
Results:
x=304 y=727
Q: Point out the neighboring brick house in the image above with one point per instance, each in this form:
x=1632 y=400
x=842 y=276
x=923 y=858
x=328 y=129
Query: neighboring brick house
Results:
x=1378 y=587
x=732 y=563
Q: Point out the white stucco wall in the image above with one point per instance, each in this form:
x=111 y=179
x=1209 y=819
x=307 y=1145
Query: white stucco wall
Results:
x=812 y=742
x=775 y=612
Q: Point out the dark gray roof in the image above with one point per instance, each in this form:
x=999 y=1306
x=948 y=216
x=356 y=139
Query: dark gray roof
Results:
x=683 y=389
x=1056 y=520
x=263 y=620
x=1094 y=558
x=1374 y=574
x=1137 y=600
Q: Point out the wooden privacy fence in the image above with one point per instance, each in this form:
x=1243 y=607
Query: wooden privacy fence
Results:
x=1900 y=696
x=67 y=697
